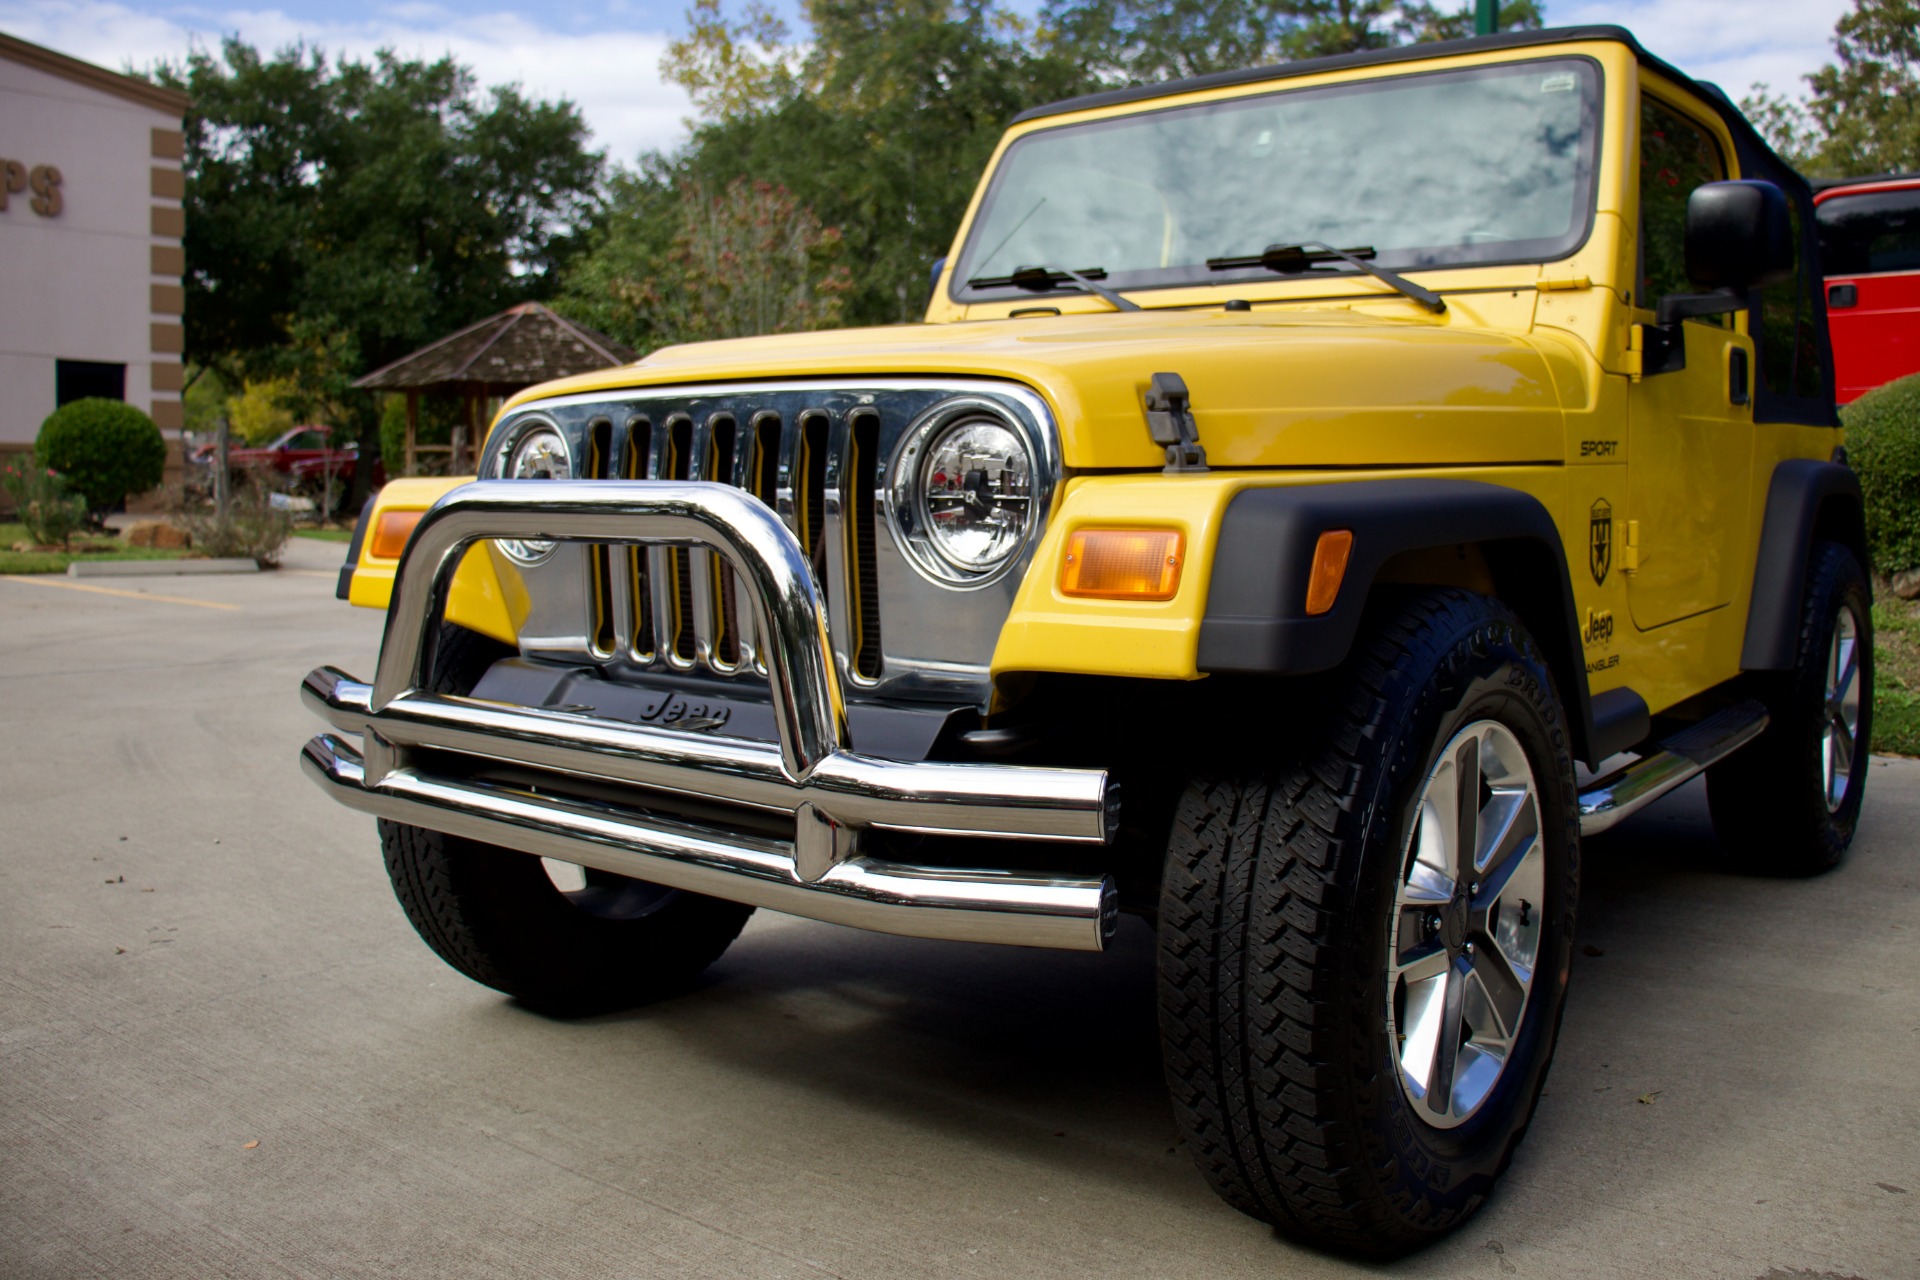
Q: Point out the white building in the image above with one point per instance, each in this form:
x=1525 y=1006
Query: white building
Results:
x=90 y=226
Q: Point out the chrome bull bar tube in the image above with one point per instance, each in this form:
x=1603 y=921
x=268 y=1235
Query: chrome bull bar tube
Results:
x=1010 y=802
x=811 y=773
x=1075 y=913
x=793 y=621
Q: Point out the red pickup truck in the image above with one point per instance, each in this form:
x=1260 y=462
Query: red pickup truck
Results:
x=1870 y=252
x=303 y=455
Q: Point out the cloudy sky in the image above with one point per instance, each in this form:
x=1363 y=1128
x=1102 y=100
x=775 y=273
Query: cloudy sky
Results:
x=605 y=54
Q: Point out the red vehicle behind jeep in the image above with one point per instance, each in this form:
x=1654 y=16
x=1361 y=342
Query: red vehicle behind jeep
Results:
x=1870 y=252
x=303 y=455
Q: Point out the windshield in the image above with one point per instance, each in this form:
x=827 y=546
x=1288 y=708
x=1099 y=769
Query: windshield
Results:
x=1490 y=164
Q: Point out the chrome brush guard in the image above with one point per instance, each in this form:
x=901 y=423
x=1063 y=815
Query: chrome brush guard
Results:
x=810 y=775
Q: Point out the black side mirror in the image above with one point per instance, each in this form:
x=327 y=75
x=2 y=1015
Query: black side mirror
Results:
x=1738 y=237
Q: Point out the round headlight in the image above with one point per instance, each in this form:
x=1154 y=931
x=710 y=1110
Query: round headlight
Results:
x=538 y=453
x=962 y=493
x=976 y=487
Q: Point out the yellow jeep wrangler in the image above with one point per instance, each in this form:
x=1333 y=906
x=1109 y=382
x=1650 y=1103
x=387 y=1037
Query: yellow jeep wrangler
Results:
x=1318 y=498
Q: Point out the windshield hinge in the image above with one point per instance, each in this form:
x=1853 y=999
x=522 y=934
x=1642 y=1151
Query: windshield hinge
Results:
x=1170 y=423
x=1564 y=284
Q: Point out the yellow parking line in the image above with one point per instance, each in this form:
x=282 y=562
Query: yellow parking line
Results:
x=36 y=581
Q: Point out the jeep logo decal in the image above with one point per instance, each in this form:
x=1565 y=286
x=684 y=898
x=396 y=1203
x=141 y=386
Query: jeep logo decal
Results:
x=1600 y=541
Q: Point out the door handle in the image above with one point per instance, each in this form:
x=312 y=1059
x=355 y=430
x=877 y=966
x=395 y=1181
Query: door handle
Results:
x=1840 y=296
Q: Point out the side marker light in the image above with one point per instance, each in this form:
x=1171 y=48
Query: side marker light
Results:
x=1122 y=564
x=391 y=533
x=1329 y=568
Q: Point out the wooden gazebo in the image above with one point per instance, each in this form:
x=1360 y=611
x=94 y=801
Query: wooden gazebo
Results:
x=491 y=360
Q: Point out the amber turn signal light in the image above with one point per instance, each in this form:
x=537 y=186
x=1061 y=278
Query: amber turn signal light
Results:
x=391 y=533
x=1329 y=567
x=1122 y=564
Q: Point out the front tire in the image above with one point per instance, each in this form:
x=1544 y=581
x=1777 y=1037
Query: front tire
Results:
x=498 y=917
x=1361 y=977
x=1788 y=803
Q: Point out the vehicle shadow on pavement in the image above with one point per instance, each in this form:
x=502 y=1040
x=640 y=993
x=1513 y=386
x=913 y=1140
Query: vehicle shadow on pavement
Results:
x=1049 y=1062
x=1053 y=1055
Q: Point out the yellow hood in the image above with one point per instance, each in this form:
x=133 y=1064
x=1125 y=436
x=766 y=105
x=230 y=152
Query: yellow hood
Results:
x=1274 y=388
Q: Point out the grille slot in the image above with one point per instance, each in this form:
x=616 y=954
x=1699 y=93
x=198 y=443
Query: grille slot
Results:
x=764 y=469
x=676 y=608
x=718 y=613
x=864 y=580
x=640 y=466
x=810 y=488
x=599 y=465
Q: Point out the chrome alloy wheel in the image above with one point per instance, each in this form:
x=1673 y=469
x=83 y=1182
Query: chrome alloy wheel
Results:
x=1840 y=730
x=1465 y=934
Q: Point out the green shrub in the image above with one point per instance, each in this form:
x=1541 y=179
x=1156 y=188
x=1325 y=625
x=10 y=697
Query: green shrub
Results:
x=106 y=449
x=1883 y=443
x=51 y=514
x=252 y=529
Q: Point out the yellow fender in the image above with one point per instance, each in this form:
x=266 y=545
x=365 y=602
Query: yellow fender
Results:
x=487 y=595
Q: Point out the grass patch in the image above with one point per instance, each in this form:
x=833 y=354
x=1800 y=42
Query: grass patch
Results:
x=85 y=546
x=325 y=535
x=1896 y=661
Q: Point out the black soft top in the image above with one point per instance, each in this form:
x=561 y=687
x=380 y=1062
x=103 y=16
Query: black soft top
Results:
x=1710 y=93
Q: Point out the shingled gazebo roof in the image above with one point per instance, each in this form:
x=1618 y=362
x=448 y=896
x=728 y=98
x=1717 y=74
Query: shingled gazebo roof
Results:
x=501 y=354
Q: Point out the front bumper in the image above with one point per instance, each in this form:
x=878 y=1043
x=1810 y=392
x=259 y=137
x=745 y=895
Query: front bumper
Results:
x=810 y=776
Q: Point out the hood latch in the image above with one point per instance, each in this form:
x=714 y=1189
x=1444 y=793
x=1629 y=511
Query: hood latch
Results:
x=1170 y=423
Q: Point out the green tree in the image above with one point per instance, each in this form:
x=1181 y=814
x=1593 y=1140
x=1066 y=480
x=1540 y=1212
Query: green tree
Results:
x=1863 y=115
x=1147 y=40
x=882 y=128
x=1867 y=104
x=340 y=214
x=745 y=259
x=627 y=247
x=729 y=66
x=260 y=412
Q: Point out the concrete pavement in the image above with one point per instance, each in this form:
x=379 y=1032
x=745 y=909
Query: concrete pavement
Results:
x=224 y=1052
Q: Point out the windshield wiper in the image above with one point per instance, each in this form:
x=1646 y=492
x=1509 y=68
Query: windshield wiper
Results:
x=1045 y=279
x=1295 y=259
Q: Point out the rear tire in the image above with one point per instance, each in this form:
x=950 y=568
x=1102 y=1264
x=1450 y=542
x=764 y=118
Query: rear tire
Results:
x=498 y=917
x=1788 y=803
x=1303 y=1036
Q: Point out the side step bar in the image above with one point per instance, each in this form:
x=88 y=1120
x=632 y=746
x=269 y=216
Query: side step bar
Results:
x=1611 y=800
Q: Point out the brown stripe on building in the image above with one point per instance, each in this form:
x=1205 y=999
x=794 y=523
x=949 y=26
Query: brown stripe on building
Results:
x=168 y=376
x=169 y=184
x=169 y=222
x=168 y=339
x=169 y=144
x=168 y=300
x=169 y=415
x=169 y=260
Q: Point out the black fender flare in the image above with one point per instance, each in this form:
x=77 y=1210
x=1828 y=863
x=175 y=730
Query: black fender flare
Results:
x=1807 y=501
x=343 y=587
x=1256 y=620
